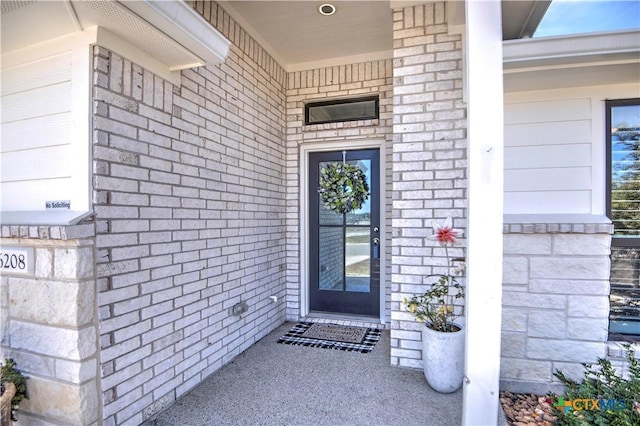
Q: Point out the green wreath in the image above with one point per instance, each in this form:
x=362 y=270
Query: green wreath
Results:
x=343 y=187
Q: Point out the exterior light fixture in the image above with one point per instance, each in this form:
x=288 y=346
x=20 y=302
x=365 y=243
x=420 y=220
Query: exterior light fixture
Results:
x=327 y=9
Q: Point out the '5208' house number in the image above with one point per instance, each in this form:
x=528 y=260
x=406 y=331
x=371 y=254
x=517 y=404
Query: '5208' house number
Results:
x=14 y=260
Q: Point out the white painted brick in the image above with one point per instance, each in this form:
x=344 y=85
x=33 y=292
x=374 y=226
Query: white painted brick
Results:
x=116 y=350
x=115 y=323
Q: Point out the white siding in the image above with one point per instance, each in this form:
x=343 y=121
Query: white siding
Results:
x=554 y=149
x=36 y=132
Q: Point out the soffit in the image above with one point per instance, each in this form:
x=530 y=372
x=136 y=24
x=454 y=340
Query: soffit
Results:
x=295 y=33
x=171 y=32
x=299 y=37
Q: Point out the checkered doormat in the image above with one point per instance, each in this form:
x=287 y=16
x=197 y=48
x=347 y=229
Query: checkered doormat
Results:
x=294 y=337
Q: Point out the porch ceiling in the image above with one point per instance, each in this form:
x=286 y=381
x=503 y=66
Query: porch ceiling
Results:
x=299 y=37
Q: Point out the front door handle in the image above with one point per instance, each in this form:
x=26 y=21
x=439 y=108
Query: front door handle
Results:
x=376 y=248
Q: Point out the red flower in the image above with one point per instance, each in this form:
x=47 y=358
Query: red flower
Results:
x=445 y=233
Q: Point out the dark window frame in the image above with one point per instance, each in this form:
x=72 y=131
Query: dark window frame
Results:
x=617 y=242
x=609 y=104
x=375 y=116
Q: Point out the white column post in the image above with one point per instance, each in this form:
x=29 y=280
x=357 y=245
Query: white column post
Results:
x=485 y=192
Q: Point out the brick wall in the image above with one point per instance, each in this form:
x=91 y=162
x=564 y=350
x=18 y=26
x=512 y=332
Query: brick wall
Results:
x=429 y=160
x=555 y=302
x=361 y=79
x=49 y=322
x=189 y=199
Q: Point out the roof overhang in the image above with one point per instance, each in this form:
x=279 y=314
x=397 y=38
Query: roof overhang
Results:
x=572 y=61
x=172 y=32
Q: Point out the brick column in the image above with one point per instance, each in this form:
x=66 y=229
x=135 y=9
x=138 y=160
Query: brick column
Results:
x=429 y=159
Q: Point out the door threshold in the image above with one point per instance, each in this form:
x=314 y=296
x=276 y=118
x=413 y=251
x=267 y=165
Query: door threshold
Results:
x=345 y=319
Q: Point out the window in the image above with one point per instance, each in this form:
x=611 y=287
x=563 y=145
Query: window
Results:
x=623 y=208
x=341 y=110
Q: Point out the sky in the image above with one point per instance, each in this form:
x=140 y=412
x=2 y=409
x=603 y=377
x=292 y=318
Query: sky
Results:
x=584 y=16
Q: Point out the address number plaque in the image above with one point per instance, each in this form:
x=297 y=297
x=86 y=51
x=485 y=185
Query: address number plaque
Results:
x=15 y=260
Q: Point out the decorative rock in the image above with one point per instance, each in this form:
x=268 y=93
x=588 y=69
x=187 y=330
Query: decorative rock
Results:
x=526 y=410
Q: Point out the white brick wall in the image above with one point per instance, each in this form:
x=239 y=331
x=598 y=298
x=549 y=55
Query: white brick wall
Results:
x=196 y=194
x=367 y=78
x=429 y=160
x=190 y=204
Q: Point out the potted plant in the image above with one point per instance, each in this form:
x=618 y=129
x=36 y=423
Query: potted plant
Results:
x=442 y=335
x=13 y=388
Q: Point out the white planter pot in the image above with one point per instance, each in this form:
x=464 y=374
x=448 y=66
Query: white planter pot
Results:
x=443 y=359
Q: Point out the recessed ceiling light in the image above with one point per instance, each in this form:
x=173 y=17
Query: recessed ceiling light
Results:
x=327 y=9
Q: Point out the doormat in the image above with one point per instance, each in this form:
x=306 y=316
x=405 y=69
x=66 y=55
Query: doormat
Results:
x=341 y=333
x=332 y=337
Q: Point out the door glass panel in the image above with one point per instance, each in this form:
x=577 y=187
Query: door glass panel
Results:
x=331 y=258
x=344 y=249
x=358 y=259
x=362 y=216
x=327 y=216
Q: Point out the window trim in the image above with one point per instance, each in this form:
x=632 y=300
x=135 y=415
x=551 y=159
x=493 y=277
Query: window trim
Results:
x=631 y=242
x=609 y=104
x=375 y=116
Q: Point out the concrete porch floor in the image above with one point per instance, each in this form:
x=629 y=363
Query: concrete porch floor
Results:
x=279 y=384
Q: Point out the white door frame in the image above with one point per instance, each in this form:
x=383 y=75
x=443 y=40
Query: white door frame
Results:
x=348 y=145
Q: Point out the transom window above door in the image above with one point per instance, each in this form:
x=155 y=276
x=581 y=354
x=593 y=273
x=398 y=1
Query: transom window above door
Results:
x=340 y=110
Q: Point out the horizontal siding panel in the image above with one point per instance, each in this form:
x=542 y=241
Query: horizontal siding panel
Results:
x=32 y=195
x=37 y=132
x=45 y=72
x=42 y=163
x=547 y=202
x=573 y=178
x=561 y=132
x=548 y=111
x=549 y=156
x=36 y=103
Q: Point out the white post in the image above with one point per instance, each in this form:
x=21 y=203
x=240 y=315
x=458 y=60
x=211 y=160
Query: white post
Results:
x=484 y=238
